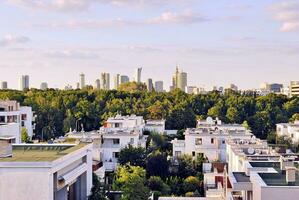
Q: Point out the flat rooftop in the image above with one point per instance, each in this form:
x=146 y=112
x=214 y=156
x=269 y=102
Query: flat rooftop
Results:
x=277 y=179
x=40 y=152
x=241 y=177
x=275 y=165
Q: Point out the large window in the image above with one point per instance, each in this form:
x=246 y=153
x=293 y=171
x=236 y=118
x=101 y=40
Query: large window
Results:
x=115 y=141
x=115 y=154
x=212 y=140
x=198 y=141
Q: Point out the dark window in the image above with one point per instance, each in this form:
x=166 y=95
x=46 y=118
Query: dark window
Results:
x=223 y=141
x=193 y=153
x=24 y=117
x=115 y=141
x=116 y=154
x=212 y=140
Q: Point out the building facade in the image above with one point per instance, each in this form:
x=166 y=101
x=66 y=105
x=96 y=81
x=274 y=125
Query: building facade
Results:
x=24 y=82
x=137 y=75
x=105 y=81
x=159 y=86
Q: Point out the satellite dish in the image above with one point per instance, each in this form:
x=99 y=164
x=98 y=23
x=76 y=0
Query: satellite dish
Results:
x=250 y=151
x=210 y=120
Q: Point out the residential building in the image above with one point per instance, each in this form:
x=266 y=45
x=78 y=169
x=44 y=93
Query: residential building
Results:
x=124 y=79
x=294 y=88
x=105 y=81
x=45 y=171
x=137 y=75
x=157 y=126
x=13 y=118
x=209 y=139
x=233 y=87
x=149 y=85
x=266 y=88
x=4 y=85
x=116 y=81
x=159 y=86
x=24 y=82
x=191 y=89
x=44 y=86
x=290 y=130
x=82 y=81
x=97 y=84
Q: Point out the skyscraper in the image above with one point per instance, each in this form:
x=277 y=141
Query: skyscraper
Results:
x=4 y=85
x=124 y=79
x=137 y=75
x=44 y=86
x=82 y=81
x=159 y=86
x=116 y=81
x=149 y=85
x=24 y=82
x=179 y=80
x=105 y=81
x=97 y=84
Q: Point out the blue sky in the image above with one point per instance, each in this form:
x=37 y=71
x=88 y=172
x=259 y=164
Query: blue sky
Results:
x=217 y=42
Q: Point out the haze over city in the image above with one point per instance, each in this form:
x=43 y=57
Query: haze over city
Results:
x=241 y=42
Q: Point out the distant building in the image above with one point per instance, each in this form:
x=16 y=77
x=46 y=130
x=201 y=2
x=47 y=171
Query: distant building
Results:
x=117 y=80
x=233 y=87
x=77 y=85
x=137 y=75
x=191 y=89
x=124 y=79
x=44 y=86
x=82 y=81
x=149 y=85
x=4 y=85
x=179 y=80
x=266 y=88
x=159 y=86
x=276 y=87
x=68 y=87
x=45 y=171
x=13 y=118
x=105 y=81
x=24 y=82
x=294 y=88
x=290 y=130
x=157 y=126
x=97 y=84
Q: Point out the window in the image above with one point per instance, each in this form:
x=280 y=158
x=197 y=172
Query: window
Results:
x=132 y=141
x=212 y=140
x=292 y=135
x=193 y=153
x=223 y=141
x=117 y=125
x=115 y=154
x=177 y=154
x=24 y=117
x=198 y=141
x=115 y=141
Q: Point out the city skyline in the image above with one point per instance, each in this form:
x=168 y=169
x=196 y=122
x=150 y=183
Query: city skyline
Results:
x=251 y=41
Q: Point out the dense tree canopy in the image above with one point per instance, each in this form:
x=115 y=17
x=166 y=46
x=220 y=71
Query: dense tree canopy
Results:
x=59 y=110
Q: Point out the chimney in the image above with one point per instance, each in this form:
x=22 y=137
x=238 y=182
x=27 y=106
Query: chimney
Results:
x=6 y=146
x=291 y=175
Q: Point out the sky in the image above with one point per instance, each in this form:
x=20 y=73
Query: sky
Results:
x=217 y=42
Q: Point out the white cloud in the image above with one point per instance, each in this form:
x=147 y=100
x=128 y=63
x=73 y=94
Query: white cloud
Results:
x=187 y=17
x=287 y=12
x=71 y=54
x=12 y=39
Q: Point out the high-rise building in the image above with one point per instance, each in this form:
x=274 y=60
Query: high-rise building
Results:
x=4 y=85
x=77 y=85
x=179 y=80
x=24 y=82
x=137 y=75
x=124 y=79
x=82 y=81
x=116 y=81
x=294 y=88
x=44 y=86
x=149 y=85
x=105 y=81
x=97 y=84
x=159 y=86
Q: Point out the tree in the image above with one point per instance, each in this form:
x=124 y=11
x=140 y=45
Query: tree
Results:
x=131 y=180
x=295 y=117
x=132 y=87
x=185 y=166
x=97 y=190
x=157 y=165
x=155 y=183
x=135 y=156
x=191 y=184
x=24 y=135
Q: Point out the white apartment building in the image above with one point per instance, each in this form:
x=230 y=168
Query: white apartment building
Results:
x=13 y=118
x=290 y=130
x=209 y=139
x=117 y=133
x=157 y=126
x=45 y=172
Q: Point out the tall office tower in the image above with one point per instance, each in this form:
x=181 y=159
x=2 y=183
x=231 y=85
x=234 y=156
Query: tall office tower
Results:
x=149 y=85
x=124 y=79
x=24 y=82
x=179 y=80
x=97 y=84
x=116 y=81
x=105 y=81
x=77 y=85
x=159 y=86
x=82 y=81
x=44 y=86
x=137 y=75
x=294 y=88
x=4 y=85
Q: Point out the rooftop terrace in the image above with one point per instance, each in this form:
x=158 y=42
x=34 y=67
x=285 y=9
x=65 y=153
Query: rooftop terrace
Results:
x=40 y=153
x=277 y=179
